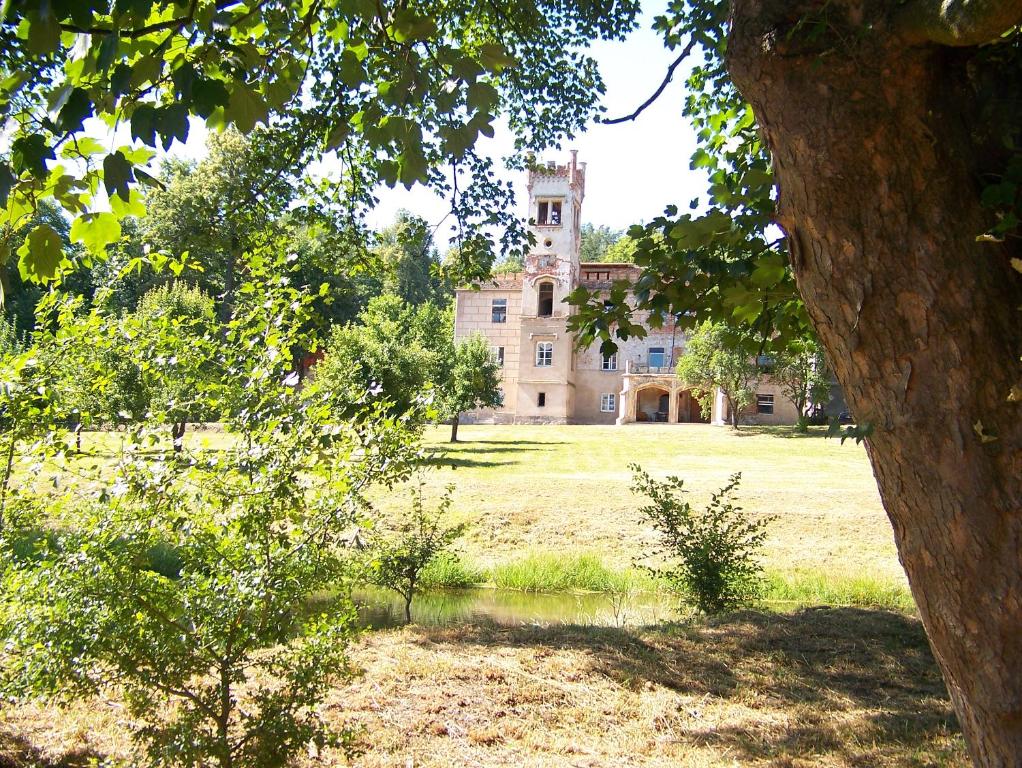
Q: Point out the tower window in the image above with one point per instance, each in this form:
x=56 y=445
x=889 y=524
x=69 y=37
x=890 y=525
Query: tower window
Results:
x=549 y=213
x=546 y=299
x=499 y=311
x=541 y=399
x=498 y=355
x=544 y=354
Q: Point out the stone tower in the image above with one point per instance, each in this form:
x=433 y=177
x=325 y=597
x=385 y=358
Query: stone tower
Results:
x=546 y=376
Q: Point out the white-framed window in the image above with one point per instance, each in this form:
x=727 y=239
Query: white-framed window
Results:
x=498 y=311
x=544 y=354
x=609 y=362
x=764 y=403
x=548 y=213
x=498 y=355
x=608 y=402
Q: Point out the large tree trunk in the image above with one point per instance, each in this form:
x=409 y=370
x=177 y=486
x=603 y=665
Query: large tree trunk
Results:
x=879 y=153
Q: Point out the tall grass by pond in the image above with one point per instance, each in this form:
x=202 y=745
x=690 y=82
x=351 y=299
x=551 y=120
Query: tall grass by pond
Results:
x=538 y=571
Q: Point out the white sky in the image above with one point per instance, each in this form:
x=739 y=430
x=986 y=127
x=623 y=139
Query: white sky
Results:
x=634 y=169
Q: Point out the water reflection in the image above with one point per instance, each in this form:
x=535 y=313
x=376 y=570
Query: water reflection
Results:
x=380 y=609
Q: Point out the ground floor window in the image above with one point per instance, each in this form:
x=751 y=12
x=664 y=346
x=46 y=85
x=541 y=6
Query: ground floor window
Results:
x=608 y=402
x=541 y=399
x=764 y=403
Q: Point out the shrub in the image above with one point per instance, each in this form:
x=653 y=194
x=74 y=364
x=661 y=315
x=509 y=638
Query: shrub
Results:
x=713 y=551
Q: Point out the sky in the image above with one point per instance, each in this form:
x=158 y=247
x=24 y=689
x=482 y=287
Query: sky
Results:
x=634 y=169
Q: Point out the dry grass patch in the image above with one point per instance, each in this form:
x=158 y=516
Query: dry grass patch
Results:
x=824 y=687
x=827 y=687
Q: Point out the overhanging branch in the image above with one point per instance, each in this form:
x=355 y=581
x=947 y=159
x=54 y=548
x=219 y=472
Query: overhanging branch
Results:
x=957 y=22
x=656 y=94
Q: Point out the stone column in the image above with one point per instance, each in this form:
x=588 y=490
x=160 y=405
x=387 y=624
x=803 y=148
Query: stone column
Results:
x=672 y=406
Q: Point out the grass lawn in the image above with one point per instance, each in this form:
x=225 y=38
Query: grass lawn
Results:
x=567 y=489
x=825 y=686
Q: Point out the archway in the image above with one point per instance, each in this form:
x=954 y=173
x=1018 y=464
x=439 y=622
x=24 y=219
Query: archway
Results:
x=689 y=409
x=652 y=404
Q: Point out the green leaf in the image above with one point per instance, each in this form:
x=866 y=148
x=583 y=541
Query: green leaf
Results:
x=29 y=154
x=96 y=231
x=207 y=96
x=245 y=108
x=481 y=96
x=172 y=123
x=41 y=254
x=143 y=124
x=408 y=26
x=769 y=271
x=117 y=175
x=43 y=31
x=494 y=57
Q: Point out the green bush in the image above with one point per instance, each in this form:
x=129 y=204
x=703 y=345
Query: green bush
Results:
x=712 y=553
x=553 y=572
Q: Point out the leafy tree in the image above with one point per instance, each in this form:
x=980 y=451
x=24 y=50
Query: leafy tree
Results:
x=715 y=358
x=473 y=381
x=595 y=241
x=509 y=266
x=882 y=139
x=217 y=209
x=712 y=554
x=395 y=349
x=399 y=557
x=208 y=649
x=802 y=372
x=621 y=250
x=175 y=326
x=411 y=261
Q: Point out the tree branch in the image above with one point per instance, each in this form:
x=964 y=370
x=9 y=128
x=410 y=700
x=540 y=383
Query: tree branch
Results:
x=957 y=22
x=656 y=94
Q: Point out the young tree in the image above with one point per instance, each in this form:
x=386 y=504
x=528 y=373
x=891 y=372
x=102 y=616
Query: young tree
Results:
x=213 y=657
x=412 y=262
x=715 y=358
x=399 y=556
x=393 y=348
x=472 y=381
x=801 y=370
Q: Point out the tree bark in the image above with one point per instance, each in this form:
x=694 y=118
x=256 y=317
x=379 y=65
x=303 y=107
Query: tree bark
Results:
x=880 y=153
x=454 y=427
x=177 y=433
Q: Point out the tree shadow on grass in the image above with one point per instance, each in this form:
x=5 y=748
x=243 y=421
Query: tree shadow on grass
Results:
x=16 y=751
x=835 y=686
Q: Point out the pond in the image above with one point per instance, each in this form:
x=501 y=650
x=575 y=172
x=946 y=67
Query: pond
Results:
x=380 y=609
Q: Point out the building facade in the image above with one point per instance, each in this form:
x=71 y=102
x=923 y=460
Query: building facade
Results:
x=546 y=379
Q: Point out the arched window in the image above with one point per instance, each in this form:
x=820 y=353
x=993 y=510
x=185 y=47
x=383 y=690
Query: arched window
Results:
x=546 y=300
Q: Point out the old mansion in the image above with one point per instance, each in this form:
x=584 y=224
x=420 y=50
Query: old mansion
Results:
x=546 y=379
